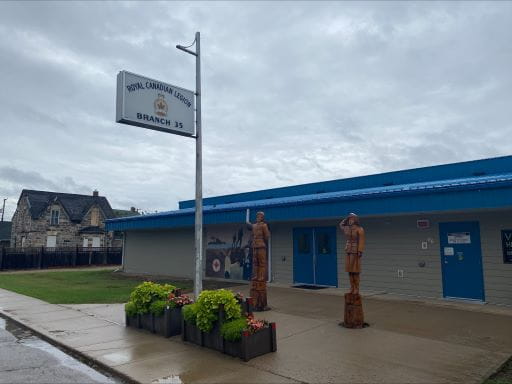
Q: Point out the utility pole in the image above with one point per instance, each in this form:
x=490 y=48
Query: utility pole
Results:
x=3 y=209
x=198 y=281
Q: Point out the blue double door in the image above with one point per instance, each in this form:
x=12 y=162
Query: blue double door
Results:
x=314 y=256
x=461 y=260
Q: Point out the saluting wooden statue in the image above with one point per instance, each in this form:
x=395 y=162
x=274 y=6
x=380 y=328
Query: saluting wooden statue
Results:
x=354 y=247
x=260 y=236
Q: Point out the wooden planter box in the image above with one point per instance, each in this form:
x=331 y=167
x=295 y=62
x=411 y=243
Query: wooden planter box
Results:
x=253 y=345
x=167 y=325
x=132 y=321
x=191 y=333
x=213 y=339
x=250 y=346
x=146 y=321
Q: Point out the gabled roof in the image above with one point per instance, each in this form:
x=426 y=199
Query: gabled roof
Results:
x=488 y=191
x=5 y=230
x=76 y=206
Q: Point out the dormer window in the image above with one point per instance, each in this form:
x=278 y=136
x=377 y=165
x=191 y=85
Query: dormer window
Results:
x=55 y=217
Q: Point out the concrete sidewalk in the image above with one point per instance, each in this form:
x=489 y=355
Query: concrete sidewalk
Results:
x=407 y=342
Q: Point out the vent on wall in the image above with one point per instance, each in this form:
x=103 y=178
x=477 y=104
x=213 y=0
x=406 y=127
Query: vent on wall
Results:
x=479 y=173
x=388 y=184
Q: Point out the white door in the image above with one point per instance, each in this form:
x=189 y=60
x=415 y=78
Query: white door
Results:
x=51 y=241
x=95 y=242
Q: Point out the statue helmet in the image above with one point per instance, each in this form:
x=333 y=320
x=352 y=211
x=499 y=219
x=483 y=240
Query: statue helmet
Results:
x=355 y=218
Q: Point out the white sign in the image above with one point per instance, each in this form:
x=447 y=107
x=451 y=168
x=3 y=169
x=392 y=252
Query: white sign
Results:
x=449 y=251
x=154 y=105
x=459 y=238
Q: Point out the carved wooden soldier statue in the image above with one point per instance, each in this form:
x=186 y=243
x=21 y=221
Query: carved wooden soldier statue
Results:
x=260 y=236
x=354 y=248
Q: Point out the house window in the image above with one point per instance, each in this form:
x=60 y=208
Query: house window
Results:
x=55 y=217
x=51 y=241
x=23 y=241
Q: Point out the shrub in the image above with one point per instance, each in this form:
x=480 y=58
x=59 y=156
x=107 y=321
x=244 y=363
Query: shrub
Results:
x=146 y=293
x=157 y=308
x=130 y=309
x=232 y=330
x=208 y=308
x=189 y=313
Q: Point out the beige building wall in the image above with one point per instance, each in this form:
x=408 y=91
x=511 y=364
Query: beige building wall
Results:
x=393 y=244
x=162 y=252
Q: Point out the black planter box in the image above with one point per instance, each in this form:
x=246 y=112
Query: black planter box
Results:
x=132 y=321
x=191 y=333
x=214 y=339
x=168 y=324
x=253 y=345
x=250 y=346
x=146 y=322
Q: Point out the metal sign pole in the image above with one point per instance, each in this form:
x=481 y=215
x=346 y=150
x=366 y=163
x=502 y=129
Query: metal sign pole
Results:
x=198 y=287
x=198 y=280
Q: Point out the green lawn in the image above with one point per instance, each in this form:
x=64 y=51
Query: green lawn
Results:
x=503 y=376
x=77 y=286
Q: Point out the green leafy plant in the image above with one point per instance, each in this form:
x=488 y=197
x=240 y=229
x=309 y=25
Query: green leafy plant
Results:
x=189 y=313
x=232 y=330
x=208 y=308
x=130 y=309
x=146 y=293
x=157 y=308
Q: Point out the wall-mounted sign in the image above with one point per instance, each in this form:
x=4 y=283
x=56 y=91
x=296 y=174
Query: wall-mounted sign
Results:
x=229 y=253
x=152 y=104
x=449 y=251
x=459 y=238
x=506 y=242
x=423 y=223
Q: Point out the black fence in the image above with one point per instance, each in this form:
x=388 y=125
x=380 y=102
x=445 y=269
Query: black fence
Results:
x=42 y=257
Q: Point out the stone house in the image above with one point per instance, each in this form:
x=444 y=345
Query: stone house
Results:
x=52 y=220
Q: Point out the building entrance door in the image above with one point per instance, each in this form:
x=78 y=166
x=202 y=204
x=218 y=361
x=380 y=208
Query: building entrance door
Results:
x=314 y=256
x=461 y=260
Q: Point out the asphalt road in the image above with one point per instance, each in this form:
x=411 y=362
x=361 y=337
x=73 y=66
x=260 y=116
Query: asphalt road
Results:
x=24 y=358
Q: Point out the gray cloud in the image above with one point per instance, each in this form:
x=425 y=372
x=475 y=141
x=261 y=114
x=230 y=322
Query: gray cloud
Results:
x=292 y=93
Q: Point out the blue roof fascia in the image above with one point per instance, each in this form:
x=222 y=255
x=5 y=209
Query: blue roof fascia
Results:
x=313 y=205
x=426 y=174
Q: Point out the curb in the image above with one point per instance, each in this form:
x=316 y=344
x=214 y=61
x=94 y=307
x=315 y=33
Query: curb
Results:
x=91 y=361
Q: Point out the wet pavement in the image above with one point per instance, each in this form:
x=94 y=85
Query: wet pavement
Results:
x=25 y=358
x=408 y=341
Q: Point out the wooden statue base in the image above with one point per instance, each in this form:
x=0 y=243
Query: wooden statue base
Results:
x=354 y=316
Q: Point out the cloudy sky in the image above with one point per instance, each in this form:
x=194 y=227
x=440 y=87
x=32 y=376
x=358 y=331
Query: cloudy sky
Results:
x=293 y=92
